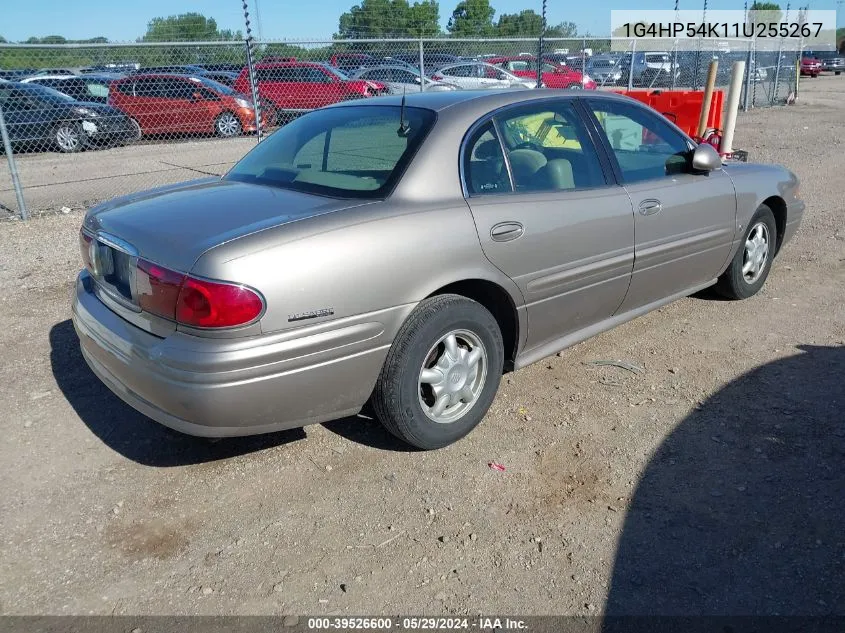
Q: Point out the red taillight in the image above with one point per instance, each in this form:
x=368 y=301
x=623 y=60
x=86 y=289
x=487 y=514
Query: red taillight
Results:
x=194 y=302
x=213 y=304
x=437 y=77
x=85 y=249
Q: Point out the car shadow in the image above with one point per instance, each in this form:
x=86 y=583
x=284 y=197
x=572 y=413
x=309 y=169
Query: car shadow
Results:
x=741 y=509
x=367 y=430
x=130 y=433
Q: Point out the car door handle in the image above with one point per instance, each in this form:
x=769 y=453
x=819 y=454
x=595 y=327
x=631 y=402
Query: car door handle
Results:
x=650 y=207
x=506 y=231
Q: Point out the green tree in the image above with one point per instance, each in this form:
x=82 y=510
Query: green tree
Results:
x=564 y=29
x=526 y=23
x=187 y=27
x=472 y=18
x=764 y=12
x=424 y=19
x=2 y=40
x=390 y=18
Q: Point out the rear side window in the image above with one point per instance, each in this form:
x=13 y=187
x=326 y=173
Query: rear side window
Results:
x=549 y=149
x=98 y=90
x=484 y=163
x=348 y=152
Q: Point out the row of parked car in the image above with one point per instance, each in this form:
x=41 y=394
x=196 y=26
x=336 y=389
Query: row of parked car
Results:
x=75 y=109
x=71 y=109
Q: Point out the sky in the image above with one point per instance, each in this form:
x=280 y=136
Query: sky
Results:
x=288 y=19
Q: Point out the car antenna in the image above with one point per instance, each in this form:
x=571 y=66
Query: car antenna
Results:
x=404 y=127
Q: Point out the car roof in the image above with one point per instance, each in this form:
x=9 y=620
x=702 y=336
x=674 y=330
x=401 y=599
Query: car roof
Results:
x=481 y=101
x=291 y=64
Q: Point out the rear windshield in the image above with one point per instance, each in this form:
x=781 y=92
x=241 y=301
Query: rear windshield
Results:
x=345 y=152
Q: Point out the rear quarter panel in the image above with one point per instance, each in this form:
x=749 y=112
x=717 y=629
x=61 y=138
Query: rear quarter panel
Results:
x=376 y=257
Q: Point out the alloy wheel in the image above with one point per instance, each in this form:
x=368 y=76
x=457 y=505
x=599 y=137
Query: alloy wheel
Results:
x=756 y=253
x=452 y=376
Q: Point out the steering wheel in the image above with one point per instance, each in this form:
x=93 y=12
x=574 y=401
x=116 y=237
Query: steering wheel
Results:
x=530 y=145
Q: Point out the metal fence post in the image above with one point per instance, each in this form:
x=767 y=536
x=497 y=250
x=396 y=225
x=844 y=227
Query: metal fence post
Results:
x=631 y=65
x=748 y=70
x=540 y=48
x=674 y=69
x=583 y=60
x=754 y=87
x=251 y=72
x=13 y=170
x=422 y=67
x=776 y=87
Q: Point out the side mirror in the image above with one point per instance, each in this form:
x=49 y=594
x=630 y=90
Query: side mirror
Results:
x=705 y=158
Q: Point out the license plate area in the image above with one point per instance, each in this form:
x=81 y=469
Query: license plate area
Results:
x=113 y=266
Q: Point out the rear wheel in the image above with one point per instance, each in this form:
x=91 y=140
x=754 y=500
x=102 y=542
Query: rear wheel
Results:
x=750 y=267
x=69 y=137
x=441 y=373
x=574 y=86
x=227 y=125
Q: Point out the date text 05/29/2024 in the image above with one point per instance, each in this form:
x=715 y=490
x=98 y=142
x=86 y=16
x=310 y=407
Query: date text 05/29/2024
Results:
x=480 y=623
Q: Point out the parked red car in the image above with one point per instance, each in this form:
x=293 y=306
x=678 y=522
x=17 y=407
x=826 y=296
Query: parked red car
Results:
x=810 y=67
x=553 y=75
x=176 y=104
x=303 y=86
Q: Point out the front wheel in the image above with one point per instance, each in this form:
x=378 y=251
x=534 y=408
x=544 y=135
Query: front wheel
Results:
x=750 y=267
x=441 y=373
x=574 y=87
x=227 y=125
x=69 y=137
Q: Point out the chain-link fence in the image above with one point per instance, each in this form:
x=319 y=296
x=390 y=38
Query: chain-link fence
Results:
x=89 y=122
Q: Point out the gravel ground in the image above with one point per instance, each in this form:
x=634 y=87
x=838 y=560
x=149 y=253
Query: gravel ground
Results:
x=712 y=482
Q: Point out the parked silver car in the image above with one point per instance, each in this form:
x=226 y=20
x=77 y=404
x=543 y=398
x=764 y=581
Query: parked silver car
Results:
x=401 y=80
x=480 y=76
x=407 y=252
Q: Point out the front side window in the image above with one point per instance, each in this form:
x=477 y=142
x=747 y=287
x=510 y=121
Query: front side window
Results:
x=348 y=152
x=548 y=149
x=645 y=146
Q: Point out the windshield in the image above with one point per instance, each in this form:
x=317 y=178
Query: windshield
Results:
x=345 y=152
x=48 y=94
x=336 y=71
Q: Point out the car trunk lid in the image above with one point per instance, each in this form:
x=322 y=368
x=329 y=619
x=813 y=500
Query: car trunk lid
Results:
x=173 y=226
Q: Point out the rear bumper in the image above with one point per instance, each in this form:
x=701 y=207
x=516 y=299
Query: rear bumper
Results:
x=230 y=387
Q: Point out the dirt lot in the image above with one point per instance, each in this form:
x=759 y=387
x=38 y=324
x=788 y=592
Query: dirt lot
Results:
x=712 y=482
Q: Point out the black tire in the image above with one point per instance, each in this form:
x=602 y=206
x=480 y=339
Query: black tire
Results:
x=139 y=133
x=397 y=395
x=733 y=284
x=574 y=86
